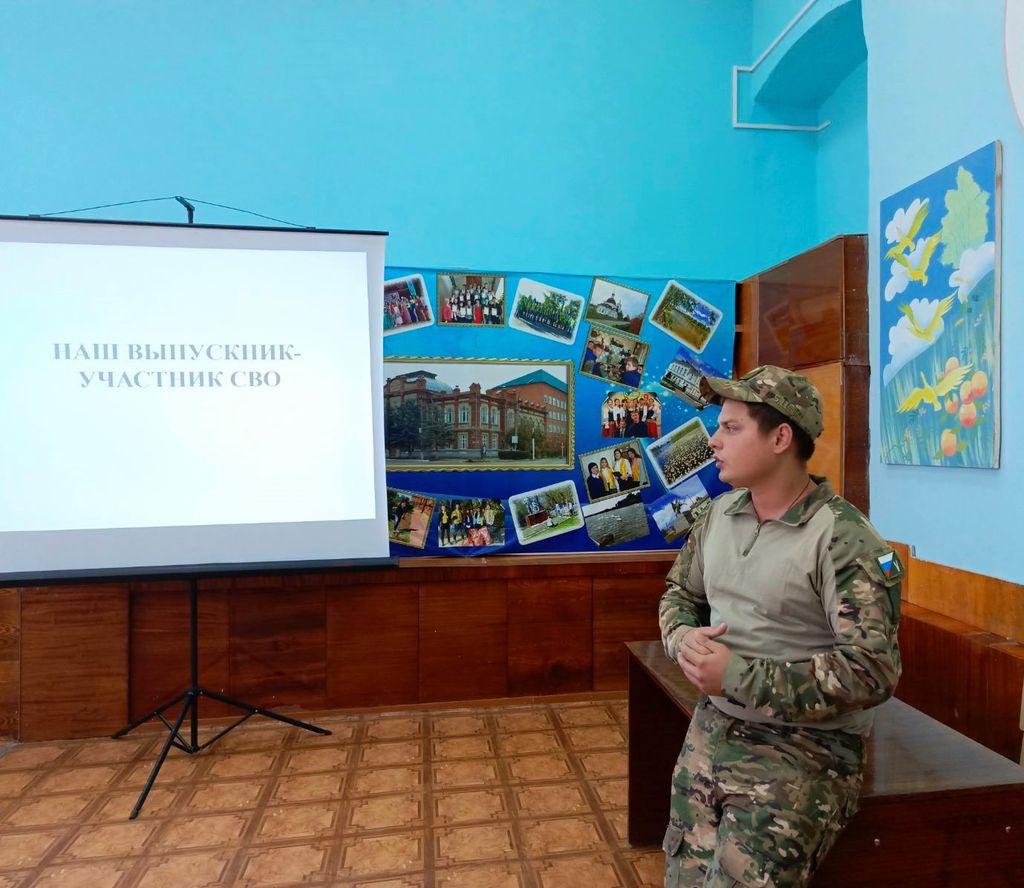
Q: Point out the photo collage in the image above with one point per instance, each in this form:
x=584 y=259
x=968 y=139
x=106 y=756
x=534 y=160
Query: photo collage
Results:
x=589 y=382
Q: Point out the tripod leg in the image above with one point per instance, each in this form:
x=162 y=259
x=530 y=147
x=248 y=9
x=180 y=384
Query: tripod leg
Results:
x=154 y=714
x=189 y=703
x=266 y=713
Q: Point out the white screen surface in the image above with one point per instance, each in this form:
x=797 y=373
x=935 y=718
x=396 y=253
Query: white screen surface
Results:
x=188 y=396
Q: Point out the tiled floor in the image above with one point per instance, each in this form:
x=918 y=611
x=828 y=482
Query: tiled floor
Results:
x=455 y=798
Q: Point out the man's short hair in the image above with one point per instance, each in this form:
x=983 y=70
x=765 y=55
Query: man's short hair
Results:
x=768 y=419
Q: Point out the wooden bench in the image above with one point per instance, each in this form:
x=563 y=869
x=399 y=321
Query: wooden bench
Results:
x=936 y=808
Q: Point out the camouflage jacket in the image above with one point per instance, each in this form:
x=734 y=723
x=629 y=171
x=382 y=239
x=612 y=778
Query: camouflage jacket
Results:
x=812 y=603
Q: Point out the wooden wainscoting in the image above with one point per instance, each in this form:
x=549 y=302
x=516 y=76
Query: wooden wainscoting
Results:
x=92 y=657
x=79 y=661
x=963 y=658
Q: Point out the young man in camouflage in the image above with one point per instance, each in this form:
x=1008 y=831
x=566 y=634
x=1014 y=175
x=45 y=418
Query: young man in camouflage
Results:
x=782 y=609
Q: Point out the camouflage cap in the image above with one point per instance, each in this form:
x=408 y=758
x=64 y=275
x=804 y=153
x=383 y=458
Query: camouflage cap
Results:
x=787 y=391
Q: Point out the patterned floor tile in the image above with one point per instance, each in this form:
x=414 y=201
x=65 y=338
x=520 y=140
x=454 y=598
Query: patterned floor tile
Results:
x=400 y=752
x=311 y=820
x=308 y=787
x=470 y=806
x=584 y=715
x=471 y=844
x=237 y=795
x=475 y=746
x=532 y=768
x=592 y=871
x=371 y=781
x=551 y=800
x=194 y=870
x=23 y=850
x=523 y=720
x=597 y=737
x=190 y=832
x=109 y=840
x=287 y=865
x=557 y=836
x=118 y=805
x=371 y=856
x=394 y=728
x=97 y=874
x=384 y=812
x=471 y=772
x=529 y=742
x=458 y=725
x=492 y=875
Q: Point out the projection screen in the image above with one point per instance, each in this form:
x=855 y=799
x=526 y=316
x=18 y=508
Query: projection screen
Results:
x=187 y=398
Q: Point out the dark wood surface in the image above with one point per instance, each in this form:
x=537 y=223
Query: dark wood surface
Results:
x=550 y=636
x=936 y=806
x=373 y=658
x=810 y=313
x=74 y=660
x=10 y=661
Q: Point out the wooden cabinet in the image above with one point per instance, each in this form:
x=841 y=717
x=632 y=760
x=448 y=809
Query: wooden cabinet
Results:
x=810 y=313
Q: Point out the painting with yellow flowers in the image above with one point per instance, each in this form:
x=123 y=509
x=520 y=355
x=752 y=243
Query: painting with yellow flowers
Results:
x=939 y=288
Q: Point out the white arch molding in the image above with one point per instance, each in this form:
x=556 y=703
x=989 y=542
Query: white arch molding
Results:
x=1013 y=47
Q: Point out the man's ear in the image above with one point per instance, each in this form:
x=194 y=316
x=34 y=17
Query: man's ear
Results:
x=782 y=437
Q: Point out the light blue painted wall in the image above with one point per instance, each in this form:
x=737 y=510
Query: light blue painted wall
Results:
x=841 y=194
x=937 y=91
x=579 y=136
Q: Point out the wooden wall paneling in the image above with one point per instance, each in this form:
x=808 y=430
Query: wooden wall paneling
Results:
x=159 y=647
x=828 y=450
x=10 y=661
x=902 y=550
x=745 y=354
x=372 y=645
x=994 y=692
x=550 y=635
x=934 y=649
x=463 y=640
x=74 y=661
x=278 y=642
x=625 y=609
x=856 y=444
x=990 y=604
x=855 y=301
x=966 y=679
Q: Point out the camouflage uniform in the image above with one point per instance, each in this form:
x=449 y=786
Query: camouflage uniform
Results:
x=770 y=772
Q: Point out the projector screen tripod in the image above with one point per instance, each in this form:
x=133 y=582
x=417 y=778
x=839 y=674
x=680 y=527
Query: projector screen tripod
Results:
x=189 y=700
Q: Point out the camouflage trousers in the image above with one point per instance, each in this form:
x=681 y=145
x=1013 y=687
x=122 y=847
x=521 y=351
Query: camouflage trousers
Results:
x=755 y=804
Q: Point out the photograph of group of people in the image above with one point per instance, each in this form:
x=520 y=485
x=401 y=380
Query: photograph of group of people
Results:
x=636 y=415
x=610 y=471
x=406 y=306
x=681 y=452
x=546 y=311
x=614 y=356
x=616 y=306
x=471 y=300
x=470 y=522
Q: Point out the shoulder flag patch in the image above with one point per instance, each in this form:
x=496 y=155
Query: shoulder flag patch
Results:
x=885 y=562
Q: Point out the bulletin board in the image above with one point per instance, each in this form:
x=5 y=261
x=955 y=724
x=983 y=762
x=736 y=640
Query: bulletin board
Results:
x=530 y=412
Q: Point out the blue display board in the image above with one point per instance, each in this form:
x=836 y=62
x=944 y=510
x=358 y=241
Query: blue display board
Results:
x=531 y=412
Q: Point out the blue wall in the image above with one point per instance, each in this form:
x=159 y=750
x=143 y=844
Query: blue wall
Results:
x=841 y=193
x=578 y=136
x=937 y=91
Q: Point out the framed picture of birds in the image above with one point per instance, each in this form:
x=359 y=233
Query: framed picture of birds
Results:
x=939 y=316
